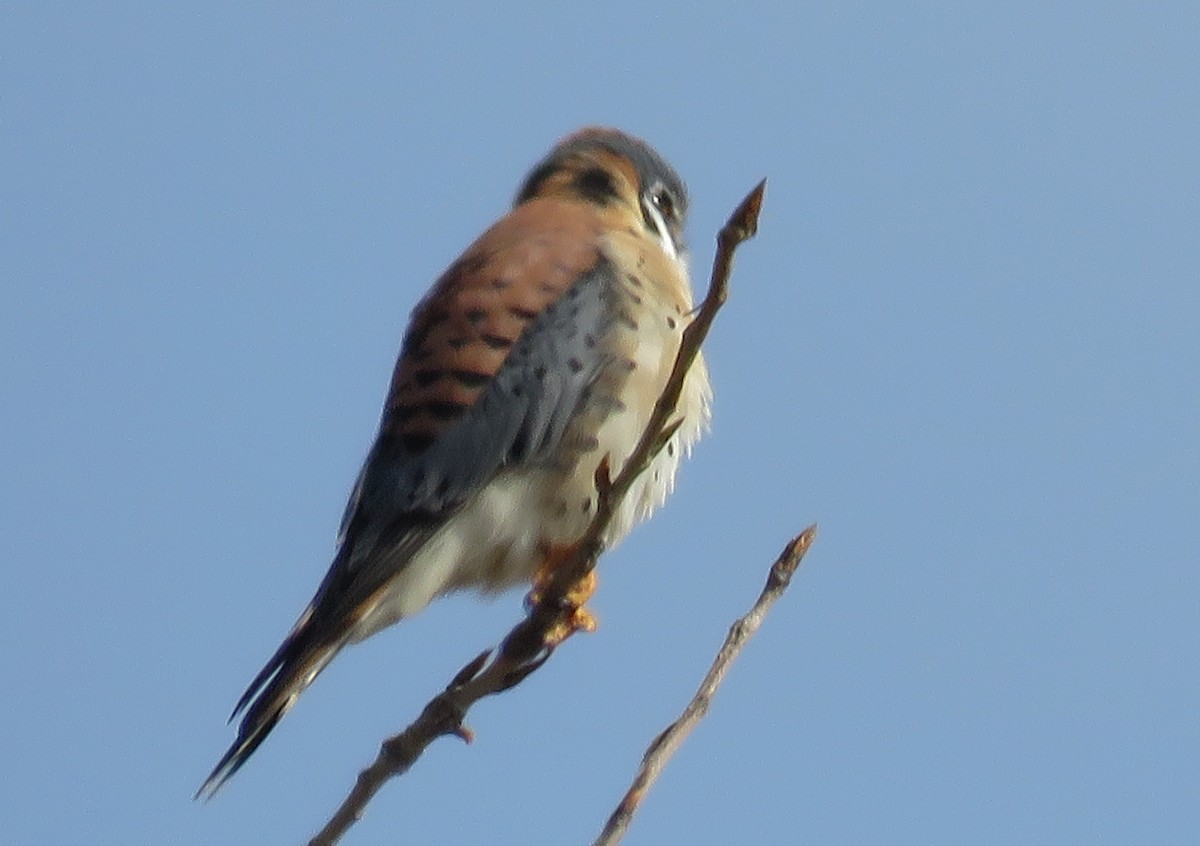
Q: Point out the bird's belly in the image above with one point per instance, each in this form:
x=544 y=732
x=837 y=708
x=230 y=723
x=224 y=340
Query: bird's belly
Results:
x=490 y=544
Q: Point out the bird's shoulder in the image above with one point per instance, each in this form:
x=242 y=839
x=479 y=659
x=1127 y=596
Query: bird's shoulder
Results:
x=466 y=325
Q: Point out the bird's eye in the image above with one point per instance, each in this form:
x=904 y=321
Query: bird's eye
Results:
x=661 y=216
x=665 y=203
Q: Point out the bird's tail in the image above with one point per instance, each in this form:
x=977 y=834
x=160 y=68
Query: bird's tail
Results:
x=271 y=695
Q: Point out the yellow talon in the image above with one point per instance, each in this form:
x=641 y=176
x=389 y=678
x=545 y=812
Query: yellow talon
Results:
x=579 y=618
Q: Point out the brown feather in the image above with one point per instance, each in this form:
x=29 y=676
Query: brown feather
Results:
x=463 y=329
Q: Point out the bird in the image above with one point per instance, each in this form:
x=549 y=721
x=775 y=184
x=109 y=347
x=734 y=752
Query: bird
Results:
x=537 y=355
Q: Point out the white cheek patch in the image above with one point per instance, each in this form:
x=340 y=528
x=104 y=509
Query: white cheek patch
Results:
x=664 y=233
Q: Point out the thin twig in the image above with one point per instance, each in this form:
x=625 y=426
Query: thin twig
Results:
x=663 y=747
x=553 y=617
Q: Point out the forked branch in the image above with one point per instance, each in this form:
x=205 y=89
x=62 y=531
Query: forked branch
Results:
x=663 y=747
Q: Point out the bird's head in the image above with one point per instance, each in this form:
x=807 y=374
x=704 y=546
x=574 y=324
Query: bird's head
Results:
x=619 y=173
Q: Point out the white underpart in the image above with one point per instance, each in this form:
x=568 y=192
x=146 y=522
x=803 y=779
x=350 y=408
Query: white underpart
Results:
x=499 y=517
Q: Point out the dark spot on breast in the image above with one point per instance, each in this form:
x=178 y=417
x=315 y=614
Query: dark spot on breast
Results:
x=425 y=378
x=539 y=372
x=596 y=185
x=443 y=488
x=457 y=343
x=607 y=403
x=671 y=448
x=586 y=505
x=671 y=324
x=589 y=341
x=633 y=280
x=475 y=315
x=500 y=283
x=575 y=364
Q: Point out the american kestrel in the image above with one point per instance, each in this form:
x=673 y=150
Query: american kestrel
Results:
x=536 y=355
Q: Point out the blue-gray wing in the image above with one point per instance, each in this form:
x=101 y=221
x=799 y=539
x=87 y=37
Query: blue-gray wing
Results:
x=518 y=418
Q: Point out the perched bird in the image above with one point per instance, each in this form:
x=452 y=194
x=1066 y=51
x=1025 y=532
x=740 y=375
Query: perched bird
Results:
x=538 y=353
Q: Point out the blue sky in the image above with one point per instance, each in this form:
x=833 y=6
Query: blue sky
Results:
x=965 y=342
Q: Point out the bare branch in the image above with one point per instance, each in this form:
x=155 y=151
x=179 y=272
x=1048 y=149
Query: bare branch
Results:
x=663 y=747
x=553 y=617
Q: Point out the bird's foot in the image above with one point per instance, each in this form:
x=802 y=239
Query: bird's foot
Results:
x=576 y=617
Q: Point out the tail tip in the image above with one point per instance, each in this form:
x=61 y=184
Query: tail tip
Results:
x=225 y=768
